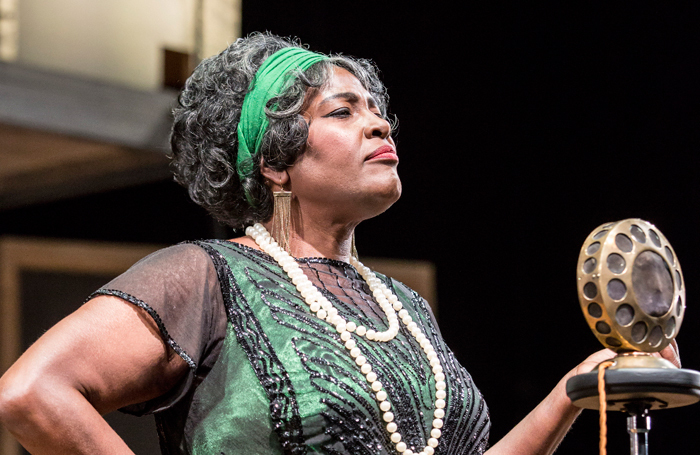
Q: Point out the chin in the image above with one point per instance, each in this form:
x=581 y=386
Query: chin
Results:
x=394 y=189
x=383 y=198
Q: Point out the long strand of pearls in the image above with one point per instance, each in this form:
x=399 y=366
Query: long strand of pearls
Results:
x=390 y=304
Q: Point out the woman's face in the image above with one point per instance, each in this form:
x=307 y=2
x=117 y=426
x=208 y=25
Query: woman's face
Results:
x=348 y=168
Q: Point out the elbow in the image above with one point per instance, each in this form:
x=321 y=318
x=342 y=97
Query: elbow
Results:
x=19 y=403
x=15 y=400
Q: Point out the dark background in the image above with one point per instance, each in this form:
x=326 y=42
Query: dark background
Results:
x=522 y=128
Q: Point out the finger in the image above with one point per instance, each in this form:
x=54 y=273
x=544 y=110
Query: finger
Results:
x=671 y=353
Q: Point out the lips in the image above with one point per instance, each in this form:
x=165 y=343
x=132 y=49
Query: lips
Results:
x=385 y=152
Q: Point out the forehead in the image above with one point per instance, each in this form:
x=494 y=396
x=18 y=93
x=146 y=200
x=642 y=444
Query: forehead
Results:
x=340 y=82
x=340 y=78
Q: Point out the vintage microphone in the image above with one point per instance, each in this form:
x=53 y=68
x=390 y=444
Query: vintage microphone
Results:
x=632 y=294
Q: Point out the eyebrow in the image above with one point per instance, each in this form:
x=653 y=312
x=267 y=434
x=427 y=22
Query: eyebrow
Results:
x=350 y=97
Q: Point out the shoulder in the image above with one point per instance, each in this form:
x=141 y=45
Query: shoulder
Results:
x=399 y=287
x=413 y=299
x=403 y=291
x=167 y=270
x=177 y=259
x=186 y=251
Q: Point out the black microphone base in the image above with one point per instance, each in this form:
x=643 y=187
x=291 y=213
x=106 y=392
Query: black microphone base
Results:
x=628 y=389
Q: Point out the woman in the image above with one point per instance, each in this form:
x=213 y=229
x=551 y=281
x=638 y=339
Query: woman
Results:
x=237 y=347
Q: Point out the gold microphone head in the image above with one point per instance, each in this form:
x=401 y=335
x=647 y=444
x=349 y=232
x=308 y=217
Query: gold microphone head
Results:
x=630 y=286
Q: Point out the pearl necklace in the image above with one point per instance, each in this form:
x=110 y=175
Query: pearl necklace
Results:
x=390 y=304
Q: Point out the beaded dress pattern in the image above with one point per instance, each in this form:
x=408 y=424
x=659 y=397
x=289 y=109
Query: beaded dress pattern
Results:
x=284 y=383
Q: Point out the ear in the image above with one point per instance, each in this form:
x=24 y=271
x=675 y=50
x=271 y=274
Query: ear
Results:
x=278 y=178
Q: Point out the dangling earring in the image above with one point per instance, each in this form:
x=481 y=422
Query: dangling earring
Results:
x=281 y=217
x=353 y=251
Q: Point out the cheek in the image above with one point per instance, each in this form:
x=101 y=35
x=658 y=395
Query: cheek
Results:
x=333 y=146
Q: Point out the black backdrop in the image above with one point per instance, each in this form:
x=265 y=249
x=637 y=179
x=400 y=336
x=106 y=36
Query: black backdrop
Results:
x=522 y=128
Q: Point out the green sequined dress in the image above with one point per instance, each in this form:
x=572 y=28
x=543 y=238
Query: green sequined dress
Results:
x=282 y=382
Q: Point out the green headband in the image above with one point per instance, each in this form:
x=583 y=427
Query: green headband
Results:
x=270 y=79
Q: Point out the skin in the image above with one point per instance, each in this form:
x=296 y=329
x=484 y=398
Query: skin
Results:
x=109 y=354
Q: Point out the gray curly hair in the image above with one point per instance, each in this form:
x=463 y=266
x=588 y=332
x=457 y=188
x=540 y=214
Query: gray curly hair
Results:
x=204 y=136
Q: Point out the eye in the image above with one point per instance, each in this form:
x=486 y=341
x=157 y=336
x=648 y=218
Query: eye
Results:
x=342 y=112
x=376 y=111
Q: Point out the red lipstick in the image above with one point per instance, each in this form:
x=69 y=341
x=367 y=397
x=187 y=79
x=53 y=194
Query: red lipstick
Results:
x=385 y=152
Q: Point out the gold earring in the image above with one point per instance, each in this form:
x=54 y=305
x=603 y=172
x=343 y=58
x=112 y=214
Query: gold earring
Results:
x=281 y=217
x=354 y=250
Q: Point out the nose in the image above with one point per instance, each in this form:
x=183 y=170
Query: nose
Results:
x=377 y=126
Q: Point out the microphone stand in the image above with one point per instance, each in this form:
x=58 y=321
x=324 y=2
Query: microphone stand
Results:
x=636 y=384
x=638 y=426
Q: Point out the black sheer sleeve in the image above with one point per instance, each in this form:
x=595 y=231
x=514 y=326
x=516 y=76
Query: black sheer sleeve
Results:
x=179 y=288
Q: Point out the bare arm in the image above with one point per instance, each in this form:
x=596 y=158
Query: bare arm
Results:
x=541 y=431
x=106 y=355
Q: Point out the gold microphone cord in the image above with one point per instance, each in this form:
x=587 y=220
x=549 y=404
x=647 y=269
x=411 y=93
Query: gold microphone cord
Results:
x=603 y=405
